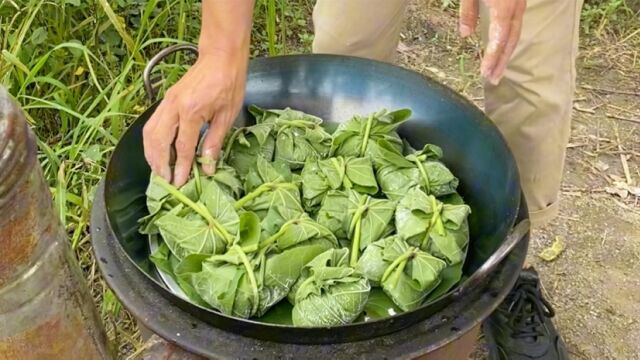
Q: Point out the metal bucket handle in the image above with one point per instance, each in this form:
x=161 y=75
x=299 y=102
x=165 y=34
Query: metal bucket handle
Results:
x=146 y=75
x=515 y=236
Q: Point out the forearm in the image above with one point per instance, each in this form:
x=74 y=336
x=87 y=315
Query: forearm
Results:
x=226 y=26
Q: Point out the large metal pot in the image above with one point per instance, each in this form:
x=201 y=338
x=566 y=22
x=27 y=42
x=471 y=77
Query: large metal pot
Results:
x=335 y=88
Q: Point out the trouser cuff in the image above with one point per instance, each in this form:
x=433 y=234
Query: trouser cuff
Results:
x=542 y=217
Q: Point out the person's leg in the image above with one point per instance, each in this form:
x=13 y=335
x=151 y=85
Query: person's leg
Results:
x=364 y=28
x=533 y=102
x=532 y=107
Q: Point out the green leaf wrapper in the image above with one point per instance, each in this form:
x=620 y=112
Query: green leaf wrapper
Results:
x=337 y=173
x=329 y=292
x=438 y=228
x=359 y=136
x=397 y=174
x=405 y=273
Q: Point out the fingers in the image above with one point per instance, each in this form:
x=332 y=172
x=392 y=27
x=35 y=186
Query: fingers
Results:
x=514 y=36
x=214 y=140
x=186 y=143
x=500 y=19
x=157 y=139
x=468 y=17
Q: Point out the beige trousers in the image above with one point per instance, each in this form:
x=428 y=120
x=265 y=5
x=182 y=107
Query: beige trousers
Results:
x=532 y=104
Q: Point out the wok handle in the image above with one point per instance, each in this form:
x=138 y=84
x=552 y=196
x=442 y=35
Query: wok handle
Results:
x=146 y=75
x=515 y=236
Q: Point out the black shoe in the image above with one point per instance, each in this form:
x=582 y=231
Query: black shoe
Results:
x=521 y=327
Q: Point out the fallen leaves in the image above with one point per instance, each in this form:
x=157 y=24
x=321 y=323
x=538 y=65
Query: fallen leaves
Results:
x=622 y=189
x=552 y=252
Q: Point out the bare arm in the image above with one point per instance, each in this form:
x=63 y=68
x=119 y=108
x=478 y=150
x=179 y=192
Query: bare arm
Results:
x=210 y=92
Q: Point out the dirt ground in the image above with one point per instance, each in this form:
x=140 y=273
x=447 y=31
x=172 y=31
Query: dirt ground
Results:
x=593 y=284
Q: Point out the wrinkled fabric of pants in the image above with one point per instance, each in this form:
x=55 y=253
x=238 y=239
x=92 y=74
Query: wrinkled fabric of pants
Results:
x=532 y=103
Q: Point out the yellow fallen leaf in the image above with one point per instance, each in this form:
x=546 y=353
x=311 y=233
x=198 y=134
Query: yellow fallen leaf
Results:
x=138 y=108
x=79 y=71
x=552 y=252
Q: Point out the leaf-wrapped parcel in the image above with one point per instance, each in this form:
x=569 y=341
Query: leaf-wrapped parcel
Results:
x=227 y=282
x=436 y=227
x=287 y=135
x=359 y=218
x=396 y=173
x=160 y=201
x=336 y=173
x=285 y=253
x=266 y=171
x=254 y=275
x=179 y=270
x=203 y=221
x=329 y=292
x=236 y=292
x=246 y=144
x=272 y=192
x=359 y=136
x=405 y=273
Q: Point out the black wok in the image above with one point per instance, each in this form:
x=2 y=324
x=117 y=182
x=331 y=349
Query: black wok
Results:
x=335 y=88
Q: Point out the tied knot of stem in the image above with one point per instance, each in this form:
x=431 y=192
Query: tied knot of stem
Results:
x=436 y=218
x=300 y=124
x=397 y=266
x=355 y=229
x=262 y=189
x=199 y=208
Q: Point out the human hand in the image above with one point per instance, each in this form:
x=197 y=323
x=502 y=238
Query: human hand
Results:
x=210 y=92
x=505 y=23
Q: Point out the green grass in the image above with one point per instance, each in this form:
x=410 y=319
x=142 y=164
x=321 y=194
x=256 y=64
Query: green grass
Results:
x=76 y=68
x=609 y=16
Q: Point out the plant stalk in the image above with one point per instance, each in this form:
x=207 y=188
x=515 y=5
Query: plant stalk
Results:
x=232 y=139
x=273 y=238
x=196 y=174
x=250 y=274
x=270 y=186
x=365 y=138
x=436 y=218
x=355 y=244
x=338 y=167
x=425 y=176
x=399 y=261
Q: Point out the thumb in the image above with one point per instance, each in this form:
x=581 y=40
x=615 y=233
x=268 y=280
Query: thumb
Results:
x=212 y=145
x=468 y=17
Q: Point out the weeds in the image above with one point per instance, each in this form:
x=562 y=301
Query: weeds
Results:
x=616 y=16
x=76 y=68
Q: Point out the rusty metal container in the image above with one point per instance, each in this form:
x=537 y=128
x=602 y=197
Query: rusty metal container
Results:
x=46 y=310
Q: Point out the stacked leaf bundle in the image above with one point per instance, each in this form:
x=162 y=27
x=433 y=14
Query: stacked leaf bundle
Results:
x=296 y=214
